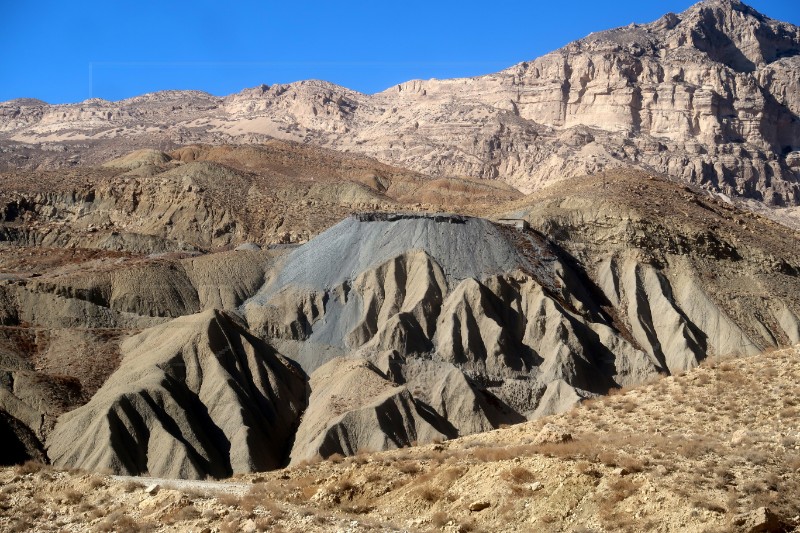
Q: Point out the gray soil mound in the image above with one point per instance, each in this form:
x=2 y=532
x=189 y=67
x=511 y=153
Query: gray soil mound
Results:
x=464 y=324
x=465 y=247
x=195 y=397
x=416 y=327
x=354 y=407
x=468 y=322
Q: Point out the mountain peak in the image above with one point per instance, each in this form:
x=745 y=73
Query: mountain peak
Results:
x=726 y=31
x=735 y=34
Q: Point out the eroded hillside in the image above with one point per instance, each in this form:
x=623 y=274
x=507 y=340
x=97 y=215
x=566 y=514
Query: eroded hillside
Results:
x=713 y=449
x=445 y=324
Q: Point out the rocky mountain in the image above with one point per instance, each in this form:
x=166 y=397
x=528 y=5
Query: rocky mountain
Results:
x=709 y=96
x=220 y=301
x=388 y=328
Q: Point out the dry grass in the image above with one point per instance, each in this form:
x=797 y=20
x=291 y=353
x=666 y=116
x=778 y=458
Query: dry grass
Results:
x=518 y=474
x=119 y=522
x=30 y=467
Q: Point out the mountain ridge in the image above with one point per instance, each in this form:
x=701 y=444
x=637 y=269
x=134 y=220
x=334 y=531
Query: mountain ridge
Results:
x=710 y=96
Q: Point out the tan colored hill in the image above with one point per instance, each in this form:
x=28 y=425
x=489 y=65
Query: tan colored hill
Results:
x=714 y=449
x=64 y=312
x=465 y=323
x=709 y=96
x=621 y=224
x=203 y=197
x=198 y=396
x=413 y=327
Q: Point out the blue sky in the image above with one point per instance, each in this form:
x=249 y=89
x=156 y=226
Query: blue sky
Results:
x=69 y=51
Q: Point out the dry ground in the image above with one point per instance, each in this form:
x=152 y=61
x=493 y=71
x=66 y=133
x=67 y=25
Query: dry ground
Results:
x=684 y=453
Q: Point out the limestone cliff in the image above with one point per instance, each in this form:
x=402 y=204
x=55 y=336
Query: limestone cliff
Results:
x=710 y=95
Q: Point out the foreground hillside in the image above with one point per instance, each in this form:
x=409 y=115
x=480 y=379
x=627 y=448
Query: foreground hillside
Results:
x=713 y=449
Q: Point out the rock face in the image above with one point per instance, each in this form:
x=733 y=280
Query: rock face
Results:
x=394 y=328
x=194 y=397
x=709 y=95
x=202 y=197
x=453 y=325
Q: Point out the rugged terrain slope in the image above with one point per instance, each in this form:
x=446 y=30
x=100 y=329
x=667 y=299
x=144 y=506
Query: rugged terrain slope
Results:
x=713 y=449
x=709 y=96
x=202 y=197
x=194 y=397
x=456 y=324
x=417 y=327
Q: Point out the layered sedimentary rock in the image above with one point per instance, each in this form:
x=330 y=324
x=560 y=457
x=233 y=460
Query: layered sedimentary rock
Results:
x=196 y=397
x=204 y=197
x=412 y=327
x=709 y=95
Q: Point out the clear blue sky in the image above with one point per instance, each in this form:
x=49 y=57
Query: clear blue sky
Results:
x=61 y=51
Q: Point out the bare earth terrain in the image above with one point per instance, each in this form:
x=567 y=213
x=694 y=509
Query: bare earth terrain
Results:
x=562 y=297
x=709 y=96
x=702 y=451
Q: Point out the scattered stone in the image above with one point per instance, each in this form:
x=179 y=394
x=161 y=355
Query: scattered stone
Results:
x=479 y=506
x=152 y=489
x=760 y=520
x=552 y=433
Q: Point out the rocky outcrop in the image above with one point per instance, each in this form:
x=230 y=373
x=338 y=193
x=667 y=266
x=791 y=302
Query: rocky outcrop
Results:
x=709 y=96
x=411 y=327
x=354 y=408
x=506 y=328
x=195 y=397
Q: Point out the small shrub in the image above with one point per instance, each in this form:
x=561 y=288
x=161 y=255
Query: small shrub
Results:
x=230 y=500
x=19 y=525
x=633 y=464
x=466 y=526
x=231 y=525
x=430 y=494
x=96 y=482
x=118 y=522
x=702 y=503
x=608 y=458
x=71 y=497
x=408 y=467
x=439 y=519
x=519 y=474
x=130 y=486
x=622 y=488
x=29 y=467
x=694 y=448
x=452 y=474
x=372 y=477
x=181 y=514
